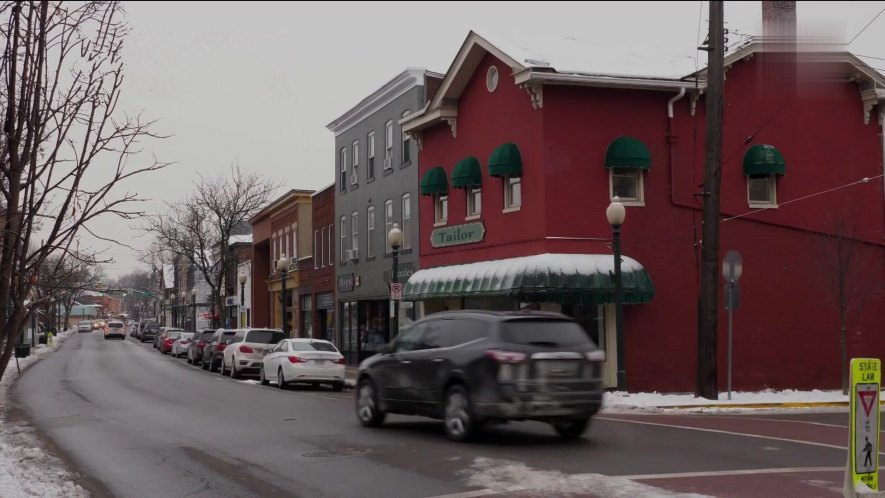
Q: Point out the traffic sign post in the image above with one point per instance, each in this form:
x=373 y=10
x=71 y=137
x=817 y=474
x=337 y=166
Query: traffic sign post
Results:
x=396 y=291
x=863 y=458
x=732 y=267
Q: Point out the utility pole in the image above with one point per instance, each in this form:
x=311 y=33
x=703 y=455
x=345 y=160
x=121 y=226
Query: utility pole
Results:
x=709 y=319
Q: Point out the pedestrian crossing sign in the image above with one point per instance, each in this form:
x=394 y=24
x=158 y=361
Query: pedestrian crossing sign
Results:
x=866 y=379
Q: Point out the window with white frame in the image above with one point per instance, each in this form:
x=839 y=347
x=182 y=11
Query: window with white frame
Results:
x=342 y=164
x=293 y=248
x=355 y=233
x=285 y=249
x=388 y=144
x=474 y=201
x=626 y=183
x=316 y=254
x=388 y=223
x=440 y=208
x=370 y=232
x=407 y=222
x=343 y=231
x=762 y=190
x=512 y=192
x=329 y=245
x=406 y=152
x=370 y=166
x=354 y=175
x=322 y=254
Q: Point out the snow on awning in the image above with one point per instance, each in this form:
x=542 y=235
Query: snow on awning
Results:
x=581 y=279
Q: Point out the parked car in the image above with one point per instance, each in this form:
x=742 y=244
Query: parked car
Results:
x=149 y=332
x=213 y=349
x=169 y=338
x=181 y=345
x=84 y=326
x=98 y=324
x=472 y=367
x=161 y=335
x=116 y=329
x=195 y=350
x=248 y=354
x=310 y=361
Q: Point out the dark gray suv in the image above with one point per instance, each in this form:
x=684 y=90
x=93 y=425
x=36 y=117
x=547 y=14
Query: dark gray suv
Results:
x=474 y=367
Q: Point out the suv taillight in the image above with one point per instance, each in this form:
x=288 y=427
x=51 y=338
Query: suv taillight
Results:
x=246 y=349
x=341 y=361
x=220 y=347
x=506 y=356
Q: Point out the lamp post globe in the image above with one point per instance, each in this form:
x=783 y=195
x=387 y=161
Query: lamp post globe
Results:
x=243 y=279
x=615 y=213
x=283 y=267
x=395 y=239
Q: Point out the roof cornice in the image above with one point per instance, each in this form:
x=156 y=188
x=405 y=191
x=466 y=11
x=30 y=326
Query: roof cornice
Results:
x=391 y=90
x=293 y=194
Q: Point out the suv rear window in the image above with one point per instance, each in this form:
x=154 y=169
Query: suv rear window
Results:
x=544 y=332
x=175 y=334
x=205 y=336
x=264 y=336
x=313 y=346
x=116 y=325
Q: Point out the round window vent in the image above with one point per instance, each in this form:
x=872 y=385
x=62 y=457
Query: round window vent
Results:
x=492 y=78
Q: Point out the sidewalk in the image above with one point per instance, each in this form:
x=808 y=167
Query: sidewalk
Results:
x=768 y=399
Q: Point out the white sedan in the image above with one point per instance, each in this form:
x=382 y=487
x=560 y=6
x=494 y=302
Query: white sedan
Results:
x=309 y=361
x=179 y=347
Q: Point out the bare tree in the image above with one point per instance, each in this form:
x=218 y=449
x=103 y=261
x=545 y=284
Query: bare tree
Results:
x=838 y=254
x=198 y=230
x=62 y=280
x=65 y=149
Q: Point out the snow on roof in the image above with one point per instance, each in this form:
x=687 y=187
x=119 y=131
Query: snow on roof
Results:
x=240 y=239
x=587 y=56
x=585 y=264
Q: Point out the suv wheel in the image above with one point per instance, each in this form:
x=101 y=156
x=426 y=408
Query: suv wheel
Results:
x=458 y=419
x=368 y=410
x=571 y=428
x=233 y=370
x=262 y=378
x=204 y=364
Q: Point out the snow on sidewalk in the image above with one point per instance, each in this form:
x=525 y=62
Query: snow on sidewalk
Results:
x=26 y=469
x=620 y=400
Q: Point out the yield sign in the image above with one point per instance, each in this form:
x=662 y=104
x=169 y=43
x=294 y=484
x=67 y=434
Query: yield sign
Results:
x=867 y=399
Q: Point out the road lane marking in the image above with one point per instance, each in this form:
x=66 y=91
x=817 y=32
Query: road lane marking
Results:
x=730 y=433
x=716 y=473
x=785 y=420
x=483 y=492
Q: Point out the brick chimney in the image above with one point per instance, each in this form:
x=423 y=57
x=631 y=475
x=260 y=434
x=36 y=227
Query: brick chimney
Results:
x=779 y=21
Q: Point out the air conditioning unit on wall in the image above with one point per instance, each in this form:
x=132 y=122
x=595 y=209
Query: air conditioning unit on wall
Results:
x=353 y=254
x=388 y=163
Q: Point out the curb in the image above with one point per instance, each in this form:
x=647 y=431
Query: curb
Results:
x=810 y=404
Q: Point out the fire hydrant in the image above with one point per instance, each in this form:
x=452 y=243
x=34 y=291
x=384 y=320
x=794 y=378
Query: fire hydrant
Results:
x=49 y=339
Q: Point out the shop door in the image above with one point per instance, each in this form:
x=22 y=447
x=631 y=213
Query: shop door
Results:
x=610 y=345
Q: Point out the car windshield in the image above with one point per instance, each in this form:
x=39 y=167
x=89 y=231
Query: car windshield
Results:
x=174 y=334
x=228 y=334
x=264 y=336
x=152 y=327
x=313 y=346
x=544 y=332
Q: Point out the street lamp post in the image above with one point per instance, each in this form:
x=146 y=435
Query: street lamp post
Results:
x=183 y=307
x=194 y=295
x=243 y=279
x=283 y=267
x=395 y=239
x=616 y=215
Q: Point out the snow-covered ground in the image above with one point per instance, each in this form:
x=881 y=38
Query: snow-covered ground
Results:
x=26 y=469
x=618 y=401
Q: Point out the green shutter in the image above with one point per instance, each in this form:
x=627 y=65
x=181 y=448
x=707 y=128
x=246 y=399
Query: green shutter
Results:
x=764 y=160
x=627 y=152
x=506 y=161
x=468 y=173
x=435 y=181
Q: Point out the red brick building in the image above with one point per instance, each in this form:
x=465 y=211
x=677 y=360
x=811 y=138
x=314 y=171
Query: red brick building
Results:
x=520 y=158
x=317 y=272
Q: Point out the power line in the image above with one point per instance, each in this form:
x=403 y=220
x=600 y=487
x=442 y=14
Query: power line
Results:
x=867 y=26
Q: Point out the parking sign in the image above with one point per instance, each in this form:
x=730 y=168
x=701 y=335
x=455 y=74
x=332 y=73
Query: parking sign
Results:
x=396 y=291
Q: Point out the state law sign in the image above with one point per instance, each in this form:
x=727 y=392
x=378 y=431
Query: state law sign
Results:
x=866 y=379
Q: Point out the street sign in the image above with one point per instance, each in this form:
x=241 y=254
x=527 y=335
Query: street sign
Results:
x=732 y=266
x=732 y=296
x=396 y=291
x=866 y=378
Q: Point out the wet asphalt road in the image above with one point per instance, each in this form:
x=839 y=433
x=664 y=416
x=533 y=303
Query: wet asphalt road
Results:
x=146 y=425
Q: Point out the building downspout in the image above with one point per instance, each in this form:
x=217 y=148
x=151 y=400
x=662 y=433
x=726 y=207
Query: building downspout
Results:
x=670 y=140
x=882 y=137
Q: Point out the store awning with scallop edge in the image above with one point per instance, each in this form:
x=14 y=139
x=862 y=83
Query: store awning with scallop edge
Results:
x=506 y=161
x=764 y=160
x=627 y=152
x=435 y=181
x=468 y=173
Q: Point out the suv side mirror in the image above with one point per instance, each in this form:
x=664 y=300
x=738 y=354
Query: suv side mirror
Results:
x=228 y=342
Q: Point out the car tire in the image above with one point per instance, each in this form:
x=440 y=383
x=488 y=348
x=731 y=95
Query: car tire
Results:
x=233 y=371
x=204 y=365
x=261 y=377
x=213 y=366
x=458 y=420
x=368 y=409
x=281 y=380
x=338 y=386
x=571 y=428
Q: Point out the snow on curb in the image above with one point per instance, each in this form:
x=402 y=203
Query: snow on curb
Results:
x=767 y=399
x=26 y=470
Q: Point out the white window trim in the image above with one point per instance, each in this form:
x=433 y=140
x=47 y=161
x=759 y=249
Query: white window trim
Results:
x=322 y=247
x=388 y=224
x=640 y=189
x=355 y=231
x=343 y=235
x=406 y=222
x=342 y=158
x=469 y=191
x=388 y=140
x=511 y=209
x=437 y=202
x=329 y=249
x=764 y=205
x=370 y=231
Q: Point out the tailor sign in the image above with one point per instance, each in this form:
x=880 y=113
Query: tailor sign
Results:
x=457 y=235
x=866 y=379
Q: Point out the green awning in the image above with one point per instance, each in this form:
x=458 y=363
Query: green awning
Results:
x=764 y=160
x=581 y=279
x=435 y=181
x=627 y=152
x=506 y=161
x=468 y=173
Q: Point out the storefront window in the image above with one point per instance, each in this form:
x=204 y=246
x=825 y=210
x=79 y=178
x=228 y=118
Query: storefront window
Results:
x=307 y=316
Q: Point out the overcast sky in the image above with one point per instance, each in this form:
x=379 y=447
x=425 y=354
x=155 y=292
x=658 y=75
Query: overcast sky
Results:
x=256 y=83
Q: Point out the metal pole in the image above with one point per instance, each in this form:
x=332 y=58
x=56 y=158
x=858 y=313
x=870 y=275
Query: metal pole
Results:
x=619 y=309
x=730 y=313
x=195 y=313
x=285 y=313
x=395 y=279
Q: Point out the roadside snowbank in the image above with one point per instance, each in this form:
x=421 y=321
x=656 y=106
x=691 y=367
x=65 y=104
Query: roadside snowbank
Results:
x=620 y=400
x=26 y=469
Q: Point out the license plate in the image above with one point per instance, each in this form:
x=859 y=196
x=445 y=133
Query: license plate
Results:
x=558 y=368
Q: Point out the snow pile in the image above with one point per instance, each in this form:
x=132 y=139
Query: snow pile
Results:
x=506 y=476
x=620 y=400
x=25 y=469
